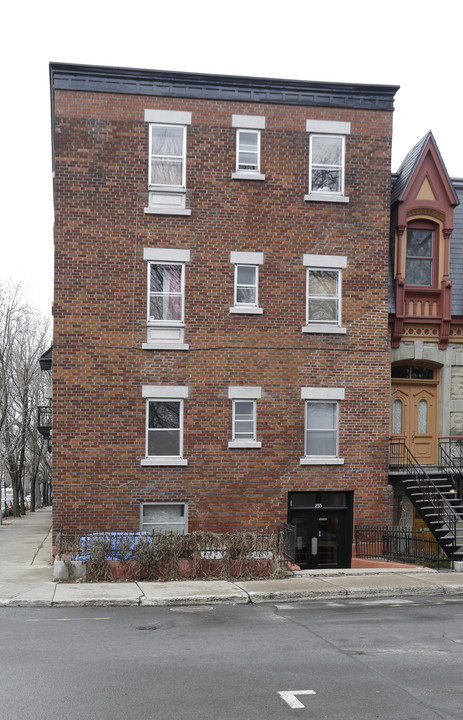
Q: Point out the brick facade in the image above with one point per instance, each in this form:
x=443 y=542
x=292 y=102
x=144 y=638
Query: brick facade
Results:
x=99 y=365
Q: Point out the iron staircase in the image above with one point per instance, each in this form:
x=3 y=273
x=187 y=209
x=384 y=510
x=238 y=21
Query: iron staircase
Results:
x=434 y=495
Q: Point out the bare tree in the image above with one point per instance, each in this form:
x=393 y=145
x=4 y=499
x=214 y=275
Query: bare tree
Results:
x=24 y=335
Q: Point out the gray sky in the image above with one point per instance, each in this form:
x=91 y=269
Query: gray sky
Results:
x=416 y=44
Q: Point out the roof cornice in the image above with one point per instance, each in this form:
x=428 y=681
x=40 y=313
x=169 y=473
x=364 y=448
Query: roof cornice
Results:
x=132 y=81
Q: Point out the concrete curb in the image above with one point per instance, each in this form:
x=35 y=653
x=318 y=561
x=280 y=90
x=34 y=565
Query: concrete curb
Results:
x=215 y=592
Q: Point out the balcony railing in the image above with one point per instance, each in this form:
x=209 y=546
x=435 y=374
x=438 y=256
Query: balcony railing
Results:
x=44 y=417
x=451 y=461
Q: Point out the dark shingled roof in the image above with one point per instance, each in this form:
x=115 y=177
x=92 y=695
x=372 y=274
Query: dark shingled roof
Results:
x=407 y=167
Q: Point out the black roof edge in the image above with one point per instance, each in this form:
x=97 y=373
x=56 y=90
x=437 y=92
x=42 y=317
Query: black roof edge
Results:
x=96 y=78
x=46 y=359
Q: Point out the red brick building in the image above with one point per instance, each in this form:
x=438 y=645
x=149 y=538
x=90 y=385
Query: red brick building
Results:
x=220 y=354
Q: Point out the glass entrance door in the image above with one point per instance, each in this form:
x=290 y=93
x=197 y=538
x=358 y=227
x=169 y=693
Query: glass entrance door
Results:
x=324 y=528
x=320 y=538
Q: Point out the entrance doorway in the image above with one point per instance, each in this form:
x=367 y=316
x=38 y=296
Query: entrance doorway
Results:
x=414 y=415
x=324 y=527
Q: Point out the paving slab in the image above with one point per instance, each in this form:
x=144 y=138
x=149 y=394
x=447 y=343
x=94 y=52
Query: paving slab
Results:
x=96 y=594
x=294 y=588
x=197 y=592
x=21 y=594
x=391 y=585
x=449 y=583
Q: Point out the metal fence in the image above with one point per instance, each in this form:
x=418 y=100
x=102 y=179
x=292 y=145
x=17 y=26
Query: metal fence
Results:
x=287 y=542
x=399 y=545
x=163 y=554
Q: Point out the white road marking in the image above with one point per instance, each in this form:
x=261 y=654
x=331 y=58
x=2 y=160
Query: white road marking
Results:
x=289 y=696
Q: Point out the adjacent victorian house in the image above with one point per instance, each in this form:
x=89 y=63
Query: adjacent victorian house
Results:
x=426 y=326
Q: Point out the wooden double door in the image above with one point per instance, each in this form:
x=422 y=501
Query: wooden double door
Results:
x=414 y=417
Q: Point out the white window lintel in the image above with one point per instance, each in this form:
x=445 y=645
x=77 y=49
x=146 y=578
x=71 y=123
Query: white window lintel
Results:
x=166 y=255
x=313 y=393
x=253 y=122
x=329 y=127
x=325 y=261
x=247 y=258
x=241 y=392
x=170 y=117
x=164 y=391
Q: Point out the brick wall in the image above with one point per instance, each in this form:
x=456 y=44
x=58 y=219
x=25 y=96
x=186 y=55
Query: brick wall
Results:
x=101 y=175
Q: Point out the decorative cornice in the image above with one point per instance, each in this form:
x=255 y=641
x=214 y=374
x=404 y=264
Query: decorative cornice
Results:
x=133 y=81
x=426 y=211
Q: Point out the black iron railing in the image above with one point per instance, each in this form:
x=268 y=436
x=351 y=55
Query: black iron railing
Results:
x=399 y=545
x=44 y=417
x=451 y=462
x=287 y=541
x=443 y=513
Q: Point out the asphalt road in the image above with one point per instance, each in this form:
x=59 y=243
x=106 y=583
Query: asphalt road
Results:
x=366 y=659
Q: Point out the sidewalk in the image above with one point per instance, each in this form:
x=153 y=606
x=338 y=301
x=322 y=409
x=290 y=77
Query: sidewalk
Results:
x=26 y=579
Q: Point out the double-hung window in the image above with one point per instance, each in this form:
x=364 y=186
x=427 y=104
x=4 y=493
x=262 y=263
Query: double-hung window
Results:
x=327 y=160
x=321 y=441
x=324 y=293
x=244 y=426
x=166 y=298
x=166 y=293
x=248 y=150
x=246 y=286
x=420 y=251
x=167 y=156
x=167 y=161
x=164 y=425
x=248 y=146
x=246 y=282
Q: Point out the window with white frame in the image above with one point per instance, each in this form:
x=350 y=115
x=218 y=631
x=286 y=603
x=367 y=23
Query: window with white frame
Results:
x=246 y=284
x=323 y=293
x=165 y=298
x=167 y=156
x=164 y=425
x=166 y=293
x=244 y=430
x=321 y=431
x=244 y=419
x=167 y=161
x=248 y=150
x=327 y=160
x=248 y=146
x=164 y=517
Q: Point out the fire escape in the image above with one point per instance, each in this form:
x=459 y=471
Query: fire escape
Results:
x=436 y=492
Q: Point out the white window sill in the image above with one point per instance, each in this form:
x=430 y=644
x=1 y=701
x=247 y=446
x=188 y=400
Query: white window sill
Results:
x=165 y=346
x=321 y=460
x=324 y=328
x=244 y=444
x=243 y=175
x=326 y=197
x=246 y=310
x=163 y=461
x=166 y=211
